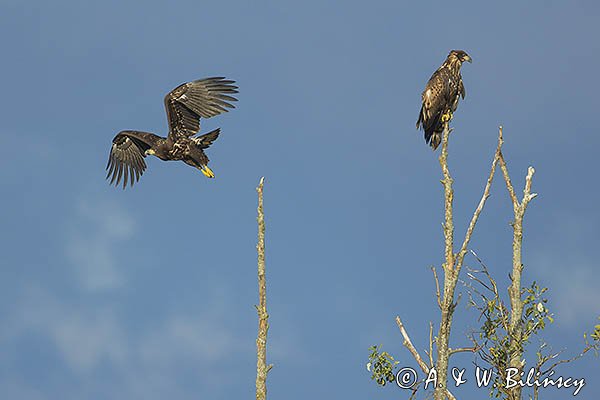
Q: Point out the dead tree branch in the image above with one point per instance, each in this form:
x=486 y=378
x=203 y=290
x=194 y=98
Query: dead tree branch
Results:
x=514 y=291
x=411 y=348
x=453 y=262
x=263 y=317
x=437 y=287
x=408 y=344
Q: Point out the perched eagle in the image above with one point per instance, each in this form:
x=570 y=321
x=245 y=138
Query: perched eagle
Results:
x=185 y=105
x=440 y=97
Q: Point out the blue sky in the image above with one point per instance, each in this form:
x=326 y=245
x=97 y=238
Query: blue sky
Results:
x=110 y=294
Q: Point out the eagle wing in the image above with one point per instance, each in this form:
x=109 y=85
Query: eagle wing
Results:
x=126 y=159
x=436 y=100
x=189 y=102
x=461 y=88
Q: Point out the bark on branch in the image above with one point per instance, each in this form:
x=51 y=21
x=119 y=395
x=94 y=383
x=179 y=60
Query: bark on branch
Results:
x=411 y=348
x=263 y=317
x=453 y=262
x=515 y=329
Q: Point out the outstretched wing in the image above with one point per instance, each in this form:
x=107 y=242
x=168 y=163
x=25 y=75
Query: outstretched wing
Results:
x=203 y=98
x=126 y=159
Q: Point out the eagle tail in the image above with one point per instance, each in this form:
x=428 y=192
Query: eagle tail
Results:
x=432 y=135
x=204 y=141
x=212 y=134
x=432 y=130
x=433 y=139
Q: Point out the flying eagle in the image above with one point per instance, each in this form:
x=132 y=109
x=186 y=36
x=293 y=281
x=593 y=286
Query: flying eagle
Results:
x=185 y=105
x=440 y=97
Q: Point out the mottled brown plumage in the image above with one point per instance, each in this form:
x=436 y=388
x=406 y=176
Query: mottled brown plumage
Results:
x=440 y=97
x=185 y=105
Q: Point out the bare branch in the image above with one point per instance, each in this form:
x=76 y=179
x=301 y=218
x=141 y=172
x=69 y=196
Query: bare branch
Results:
x=484 y=197
x=448 y=200
x=408 y=344
x=515 y=328
x=263 y=317
x=450 y=275
x=453 y=263
x=493 y=289
x=473 y=349
x=509 y=186
x=437 y=287
x=431 y=344
x=527 y=195
x=578 y=356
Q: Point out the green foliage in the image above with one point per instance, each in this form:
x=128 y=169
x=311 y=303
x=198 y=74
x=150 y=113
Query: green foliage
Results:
x=596 y=335
x=495 y=333
x=381 y=365
x=535 y=312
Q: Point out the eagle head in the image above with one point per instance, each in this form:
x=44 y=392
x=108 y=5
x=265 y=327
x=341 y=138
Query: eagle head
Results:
x=460 y=55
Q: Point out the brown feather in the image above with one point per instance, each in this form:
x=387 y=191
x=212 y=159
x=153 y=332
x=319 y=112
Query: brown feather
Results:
x=441 y=96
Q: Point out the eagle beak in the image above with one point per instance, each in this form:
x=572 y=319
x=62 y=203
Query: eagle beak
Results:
x=468 y=58
x=150 y=152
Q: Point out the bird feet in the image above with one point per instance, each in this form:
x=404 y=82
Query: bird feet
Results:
x=207 y=171
x=447 y=117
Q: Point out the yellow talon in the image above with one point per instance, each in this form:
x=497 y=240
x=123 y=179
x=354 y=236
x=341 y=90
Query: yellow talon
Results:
x=207 y=171
x=446 y=117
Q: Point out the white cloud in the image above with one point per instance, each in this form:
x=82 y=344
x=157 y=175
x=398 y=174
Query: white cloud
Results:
x=83 y=338
x=148 y=361
x=86 y=340
x=96 y=230
x=184 y=337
